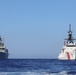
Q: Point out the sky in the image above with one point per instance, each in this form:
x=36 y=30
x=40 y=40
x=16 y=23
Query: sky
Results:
x=36 y=28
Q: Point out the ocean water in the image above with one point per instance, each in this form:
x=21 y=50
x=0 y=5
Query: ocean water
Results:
x=37 y=67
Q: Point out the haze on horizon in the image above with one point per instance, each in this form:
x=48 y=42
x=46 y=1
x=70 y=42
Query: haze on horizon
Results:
x=36 y=28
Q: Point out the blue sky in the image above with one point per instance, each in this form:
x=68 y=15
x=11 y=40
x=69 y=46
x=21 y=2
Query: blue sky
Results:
x=36 y=28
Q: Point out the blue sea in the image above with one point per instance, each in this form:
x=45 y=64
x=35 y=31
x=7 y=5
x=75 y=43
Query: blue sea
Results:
x=37 y=67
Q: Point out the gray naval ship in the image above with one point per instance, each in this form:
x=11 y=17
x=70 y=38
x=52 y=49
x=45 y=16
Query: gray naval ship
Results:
x=3 y=50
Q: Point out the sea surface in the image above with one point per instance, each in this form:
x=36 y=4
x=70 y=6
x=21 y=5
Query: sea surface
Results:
x=37 y=67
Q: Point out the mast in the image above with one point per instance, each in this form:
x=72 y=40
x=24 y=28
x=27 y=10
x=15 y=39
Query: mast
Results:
x=70 y=38
x=69 y=27
x=1 y=41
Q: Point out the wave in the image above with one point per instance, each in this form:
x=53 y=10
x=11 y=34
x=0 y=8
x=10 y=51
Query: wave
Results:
x=33 y=73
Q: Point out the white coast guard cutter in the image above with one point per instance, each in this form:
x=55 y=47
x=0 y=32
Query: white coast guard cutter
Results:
x=68 y=51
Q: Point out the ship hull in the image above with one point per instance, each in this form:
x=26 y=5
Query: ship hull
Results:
x=68 y=54
x=3 y=55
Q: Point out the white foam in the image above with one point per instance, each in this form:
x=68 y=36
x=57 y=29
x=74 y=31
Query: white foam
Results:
x=32 y=73
x=63 y=73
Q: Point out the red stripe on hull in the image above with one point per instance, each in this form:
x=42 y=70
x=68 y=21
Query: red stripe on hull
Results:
x=68 y=55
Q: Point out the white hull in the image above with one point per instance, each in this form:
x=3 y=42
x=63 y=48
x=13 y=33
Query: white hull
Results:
x=67 y=53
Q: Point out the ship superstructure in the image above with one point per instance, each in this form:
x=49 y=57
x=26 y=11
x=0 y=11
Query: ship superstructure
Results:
x=3 y=50
x=68 y=51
